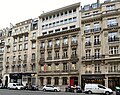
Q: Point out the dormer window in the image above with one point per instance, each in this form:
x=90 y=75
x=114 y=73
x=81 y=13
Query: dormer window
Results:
x=87 y=7
x=110 y=7
x=94 y=5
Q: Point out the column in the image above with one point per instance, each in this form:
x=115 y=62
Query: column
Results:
x=60 y=81
x=52 y=80
x=106 y=81
x=45 y=81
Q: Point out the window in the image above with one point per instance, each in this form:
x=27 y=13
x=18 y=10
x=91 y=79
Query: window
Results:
x=113 y=50
x=65 y=54
x=87 y=40
x=73 y=66
x=57 y=42
x=26 y=46
x=7 y=59
x=42 y=45
x=97 y=53
x=33 y=44
x=65 y=21
x=56 y=81
x=74 y=10
x=48 y=80
x=15 y=40
x=70 y=11
x=20 y=47
x=95 y=12
x=86 y=7
x=94 y=5
x=65 y=28
x=16 y=30
x=64 y=82
x=27 y=27
x=61 y=22
x=26 y=37
x=61 y=13
x=57 y=30
x=96 y=26
x=96 y=40
x=73 y=26
x=57 y=23
x=50 y=43
x=25 y=57
x=14 y=58
x=34 y=34
x=51 y=32
x=74 y=19
x=110 y=7
x=21 y=29
x=88 y=53
x=65 y=40
x=113 y=67
x=74 y=52
x=53 y=23
x=49 y=54
x=19 y=57
x=44 y=33
x=65 y=66
x=58 y=15
x=112 y=22
x=97 y=67
x=8 y=40
x=33 y=56
x=20 y=39
x=15 y=48
x=65 y=12
x=56 y=54
x=70 y=20
x=57 y=67
x=49 y=67
x=87 y=28
x=74 y=39
x=112 y=37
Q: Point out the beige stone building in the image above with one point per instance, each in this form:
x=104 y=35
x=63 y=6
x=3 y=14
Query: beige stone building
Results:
x=100 y=32
x=58 y=42
x=20 y=50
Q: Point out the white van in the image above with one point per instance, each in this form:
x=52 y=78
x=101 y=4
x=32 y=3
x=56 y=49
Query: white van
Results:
x=15 y=86
x=97 y=88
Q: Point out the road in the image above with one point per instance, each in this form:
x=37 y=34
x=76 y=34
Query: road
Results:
x=24 y=92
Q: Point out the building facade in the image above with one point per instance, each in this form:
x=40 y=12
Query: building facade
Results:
x=20 y=50
x=72 y=45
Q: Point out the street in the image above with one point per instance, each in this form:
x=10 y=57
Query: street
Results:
x=24 y=92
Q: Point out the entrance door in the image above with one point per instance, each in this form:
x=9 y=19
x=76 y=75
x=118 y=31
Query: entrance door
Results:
x=73 y=81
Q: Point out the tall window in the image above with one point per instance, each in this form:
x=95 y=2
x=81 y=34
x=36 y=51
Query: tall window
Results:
x=96 y=26
x=15 y=48
x=87 y=28
x=15 y=40
x=96 y=40
x=26 y=37
x=34 y=34
x=56 y=81
x=42 y=45
x=112 y=36
x=112 y=22
x=65 y=55
x=87 y=43
x=97 y=53
x=57 y=67
x=113 y=50
x=97 y=67
x=74 y=39
x=33 y=44
x=64 y=81
x=14 y=58
x=20 y=47
x=88 y=53
x=73 y=66
x=57 y=42
x=65 y=66
x=56 y=54
x=26 y=46
x=48 y=80
x=50 y=43
x=65 y=40
x=33 y=55
x=49 y=67
x=20 y=39
x=49 y=54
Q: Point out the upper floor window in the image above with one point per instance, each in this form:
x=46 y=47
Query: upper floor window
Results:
x=94 y=5
x=21 y=29
x=19 y=57
x=96 y=25
x=74 y=39
x=113 y=50
x=34 y=34
x=25 y=57
x=42 y=45
x=87 y=27
x=26 y=37
x=14 y=58
x=7 y=59
x=15 y=48
x=27 y=27
x=15 y=40
x=112 y=22
x=74 y=10
x=97 y=53
x=33 y=44
x=57 y=30
x=26 y=46
x=65 y=40
x=44 y=33
x=113 y=37
x=33 y=55
x=51 y=32
x=110 y=7
x=16 y=30
x=20 y=38
x=20 y=47
x=50 y=43
x=74 y=19
x=86 y=8
x=88 y=53
x=57 y=42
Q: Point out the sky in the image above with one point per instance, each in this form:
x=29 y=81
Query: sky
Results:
x=15 y=11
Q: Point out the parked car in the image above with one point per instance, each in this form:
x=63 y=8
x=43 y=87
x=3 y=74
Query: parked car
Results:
x=51 y=88
x=31 y=87
x=76 y=89
x=117 y=90
x=15 y=86
x=97 y=88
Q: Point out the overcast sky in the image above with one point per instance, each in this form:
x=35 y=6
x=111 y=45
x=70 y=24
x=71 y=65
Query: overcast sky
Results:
x=14 y=11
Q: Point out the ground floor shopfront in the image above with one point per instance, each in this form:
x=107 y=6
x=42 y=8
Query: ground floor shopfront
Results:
x=22 y=78
x=110 y=81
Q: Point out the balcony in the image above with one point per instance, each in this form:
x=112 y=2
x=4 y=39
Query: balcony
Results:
x=57 y=46
x=49 y=47
x=49 y=58
x=42 y=48
x=88 y=72
x=112 y=25
x=113 y=39
x=56 y=57
x=93 y=57
x=97 y=43
x=65 y=57
x=33 y=60
x=74 y=58
x=88 y=44
x=74 y=43
x=65 y=45
x=97 y=72
x=114 y=72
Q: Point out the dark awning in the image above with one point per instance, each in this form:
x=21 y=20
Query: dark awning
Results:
x=101 y=76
